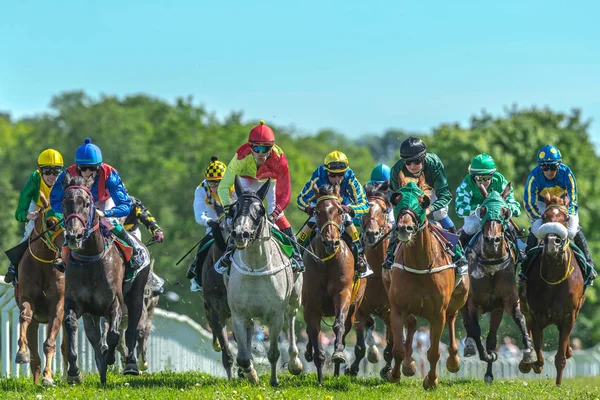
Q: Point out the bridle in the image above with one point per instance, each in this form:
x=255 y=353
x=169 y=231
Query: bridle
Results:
x=89 y=229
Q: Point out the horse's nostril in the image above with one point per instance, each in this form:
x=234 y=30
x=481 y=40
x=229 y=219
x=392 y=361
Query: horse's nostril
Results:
x=336 y=244
x=410 y=228
x=497 y=240
x=557 y=242
x=246 y=235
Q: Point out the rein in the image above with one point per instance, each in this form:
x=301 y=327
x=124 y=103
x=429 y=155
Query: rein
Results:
x=49 y=242
x=569 y=270
x=88 y=231
x=327 y=223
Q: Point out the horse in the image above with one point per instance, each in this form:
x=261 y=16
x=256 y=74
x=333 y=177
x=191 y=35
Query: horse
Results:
x=555 y=287
x=376 y=226
x=214 y=293
x=492 y=280
x=329 y=282
x=95 y=273
x=40 y=294
x=423 y=283
x=260 y=284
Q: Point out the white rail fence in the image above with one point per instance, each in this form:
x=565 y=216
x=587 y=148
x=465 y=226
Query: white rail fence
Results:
x=177 y=343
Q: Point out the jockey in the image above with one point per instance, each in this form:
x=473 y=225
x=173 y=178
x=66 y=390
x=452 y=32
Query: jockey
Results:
x=110 y=196
x=33 y=196
x=415 y=161
x=207 y=209
x=336 y=171
x=254 y=162
x=379 y=175
x=138 y=214
x=482 y=170
x=553 y=177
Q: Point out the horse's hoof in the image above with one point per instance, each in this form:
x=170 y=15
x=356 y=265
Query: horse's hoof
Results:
x=274 y=382
x=217 y=347
x=453 y=365
x=22 y=358
x=110 y=358
x=429 y=384
x=470 y=349
x=529 y=357
x=47 y=382
x=352 y=371
x=409 y=369
x=538 y=367
x=488 y=379
x=295 y=366
x=390 y=378
x=74 y=379
x=338 y=357
x=524 y=368
x=143 y=365
x=131 y=369
x=373 y=355
x=308 y=356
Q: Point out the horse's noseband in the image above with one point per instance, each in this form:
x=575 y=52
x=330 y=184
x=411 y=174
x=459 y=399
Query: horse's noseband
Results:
x=86 y=224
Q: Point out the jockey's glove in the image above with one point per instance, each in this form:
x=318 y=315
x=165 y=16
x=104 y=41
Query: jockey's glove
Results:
x=348 y=210
x=309 y=210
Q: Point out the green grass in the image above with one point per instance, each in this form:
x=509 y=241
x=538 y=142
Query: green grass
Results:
x=167 y=386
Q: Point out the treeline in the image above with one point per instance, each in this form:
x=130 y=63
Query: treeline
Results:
x=161 y=151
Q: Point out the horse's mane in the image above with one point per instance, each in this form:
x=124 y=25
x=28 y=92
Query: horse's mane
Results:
x=73 y=181
x=377 y=189
x=556 y=200
x=403 y=180
x=327 y=189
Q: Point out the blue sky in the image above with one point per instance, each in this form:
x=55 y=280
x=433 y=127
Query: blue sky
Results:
x=357 y=67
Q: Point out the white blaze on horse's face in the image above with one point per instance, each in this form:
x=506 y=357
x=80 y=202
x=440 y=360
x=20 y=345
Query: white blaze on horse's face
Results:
x=491 y=243
x=243 y=231
x=330 y=234
x=373 y=226
x=553 y=244
x=406 y=228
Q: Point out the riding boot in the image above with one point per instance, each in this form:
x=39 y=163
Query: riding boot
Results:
x=452 y=229
x=224 y=262
x=465 y=239
x=59 y=264
x=581 y=242
x=138 y=255
x=361 y=264
x=191 y=272
x=195 y=267
x=391 y=252
x=155 y=284
x=304 y=234
x=10 y=274
x=532 y=242
x=298 y=264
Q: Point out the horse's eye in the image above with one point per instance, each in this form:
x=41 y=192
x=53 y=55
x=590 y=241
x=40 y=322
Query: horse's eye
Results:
x=340 y=211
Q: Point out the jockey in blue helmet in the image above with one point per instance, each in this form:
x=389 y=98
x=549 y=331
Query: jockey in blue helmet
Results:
x=110 y=197
x=552 y=177
x=380 y=174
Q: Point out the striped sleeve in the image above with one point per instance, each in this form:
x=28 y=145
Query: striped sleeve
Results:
x=307 y=195
x=572 y=191
x=463 y=200
x=530 y=198
x=360 y=204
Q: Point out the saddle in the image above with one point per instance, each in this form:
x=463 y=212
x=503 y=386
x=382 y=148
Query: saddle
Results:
x=534 y=253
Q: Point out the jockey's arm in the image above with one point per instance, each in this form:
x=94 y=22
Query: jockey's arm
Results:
x=571 y=188
x=234 y=168
x=359 y=203
x=146 y=218
x=464 y=195
x=119 y=195
x=57 y=193
x=307 y=194
x=512 y=203
x=27 y=195
x=283 y=186
x=530 y=198
x=394 y=185
x=203 y=212
x=440 y=186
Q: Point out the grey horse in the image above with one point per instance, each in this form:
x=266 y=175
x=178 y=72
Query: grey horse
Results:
x=261 y=284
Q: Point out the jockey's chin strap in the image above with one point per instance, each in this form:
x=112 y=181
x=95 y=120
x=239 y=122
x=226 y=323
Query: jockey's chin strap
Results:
x=87 y=224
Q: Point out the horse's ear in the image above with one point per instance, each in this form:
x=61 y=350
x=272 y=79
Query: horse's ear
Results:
x=66 y=180
x=547 y=197
x=336 y=190
x=567 y=200
x=238 y=186
x=315 y=190
x=395 y=198
x=384 y=187
x=482 y=190
x=506 y=213
x=401 y=179
x=421 y=182
x=506 y=191
x=424 y=201
x=262 y=192
x=482 y=211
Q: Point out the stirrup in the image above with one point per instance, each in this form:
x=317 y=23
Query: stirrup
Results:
x=367 y=272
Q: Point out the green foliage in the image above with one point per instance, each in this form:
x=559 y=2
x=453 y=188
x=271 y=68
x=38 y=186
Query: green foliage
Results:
x=192 y=385
x=162 y=149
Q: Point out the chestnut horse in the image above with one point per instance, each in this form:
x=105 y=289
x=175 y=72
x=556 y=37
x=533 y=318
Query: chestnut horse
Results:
x=40 y=296
x=330 y=287
x=375 y=226
x=492 y=280
x=555 y=287
x=423 y=283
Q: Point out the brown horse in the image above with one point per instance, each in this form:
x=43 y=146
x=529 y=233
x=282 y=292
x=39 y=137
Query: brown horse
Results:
x=330 y=287
x=555 y=287
x=423 y=283
x=492 y=280
x=376 y=225
x=40 y=296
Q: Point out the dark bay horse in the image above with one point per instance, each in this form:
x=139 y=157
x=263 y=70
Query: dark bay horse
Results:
x=214 y=294
x=375 y=226
x=40 y=294
x=95 y=272
x=329 y=288
x=555 y=287
x=423 y=283
x=492 y=280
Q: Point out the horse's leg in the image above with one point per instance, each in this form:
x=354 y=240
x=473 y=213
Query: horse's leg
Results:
x=25 y=318
x=313 y=330
x=433 y=354
x=469 y=341
x=397 y=319
x=453 y=362
x=360 y=348
x=564 y=336
x=135 y=308
x=91 y=325
x=474 y=330
x=409 y=367
x=273 y=354
x=71 y=325
x=54 y=323
x=36 y=362
x=537 y=334
x=114 y=332
x=342 y=306
x=372 y=350
x=220 y=334
x=143 y=333
x=389 y=337
x=514 y=310
x=240 y=329
x=294 y=364
x=491 y=341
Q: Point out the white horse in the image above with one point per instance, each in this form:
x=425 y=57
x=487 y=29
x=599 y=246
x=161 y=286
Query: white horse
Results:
x=261 y=284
